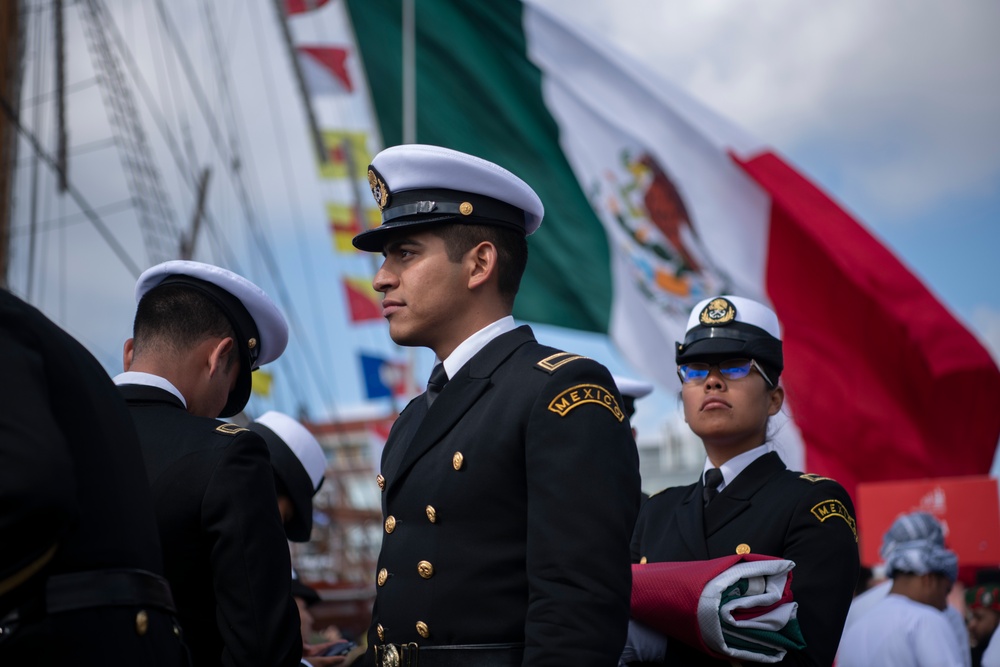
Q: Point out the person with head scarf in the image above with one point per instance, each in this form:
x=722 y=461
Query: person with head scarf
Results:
x=909 y=626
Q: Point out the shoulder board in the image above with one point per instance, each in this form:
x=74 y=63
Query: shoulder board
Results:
x=230 y=429
x=810 y=477
x=556 y=361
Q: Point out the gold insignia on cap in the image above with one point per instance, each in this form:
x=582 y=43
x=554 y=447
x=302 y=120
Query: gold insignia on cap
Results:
x=582 y=394
x=380 y=191
x=230 y=429
x=252 y=343
x=457 y=460
x=718 y=311
x=465 y=208
x=423 y=629
x=834 y=507
x=381 y=633
x=383 y=576
x=390 y=523
x=425 y=569
x=743 y=549
x=432 y=514
x=141 y=622
x=380 y=480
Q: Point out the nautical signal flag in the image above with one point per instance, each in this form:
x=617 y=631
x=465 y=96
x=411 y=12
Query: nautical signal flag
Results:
x=325 y=69
x=345 y=225
x=302 y=6
x=347 y=155
x=363 y=302
x=654 y=202
x=383 y=377
x=260 y=383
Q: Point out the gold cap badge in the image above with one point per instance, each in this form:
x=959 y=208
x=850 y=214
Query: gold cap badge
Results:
x=717 y=312
x=380 y=191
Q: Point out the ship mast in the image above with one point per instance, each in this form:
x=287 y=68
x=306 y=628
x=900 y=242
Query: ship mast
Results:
x=11 y=58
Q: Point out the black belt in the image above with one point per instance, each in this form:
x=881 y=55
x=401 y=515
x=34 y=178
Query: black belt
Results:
x=456 y=655
x=107 y=588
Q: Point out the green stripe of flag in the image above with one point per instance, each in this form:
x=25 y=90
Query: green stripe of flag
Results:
x=477 y=92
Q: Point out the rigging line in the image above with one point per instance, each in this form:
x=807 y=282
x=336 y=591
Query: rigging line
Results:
x=80 y=200
x=152 y=106
x=171 y=95
x=39 y=73
x=208 y=18
x=64 y=221
x=41 y=98
x=296 y=205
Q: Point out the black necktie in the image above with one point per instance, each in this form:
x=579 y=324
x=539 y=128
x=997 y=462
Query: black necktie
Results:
x=713 y=478
x=439 y=378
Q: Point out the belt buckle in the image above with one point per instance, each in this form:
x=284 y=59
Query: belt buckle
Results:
x=389 y=657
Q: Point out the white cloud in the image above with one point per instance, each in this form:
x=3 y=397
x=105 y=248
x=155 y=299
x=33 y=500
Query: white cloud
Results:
x=902 y=96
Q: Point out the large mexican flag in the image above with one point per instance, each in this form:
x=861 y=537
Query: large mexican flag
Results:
x=653 y=202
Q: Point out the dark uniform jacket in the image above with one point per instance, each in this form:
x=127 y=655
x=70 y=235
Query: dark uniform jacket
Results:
x=225 y=551
x=776 y=512
x=508 y=510
x=73 y=499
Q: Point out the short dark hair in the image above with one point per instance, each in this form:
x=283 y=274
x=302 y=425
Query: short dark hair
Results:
x=179 y=318
x=511 y=245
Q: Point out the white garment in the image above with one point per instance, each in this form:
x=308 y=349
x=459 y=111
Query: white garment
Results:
x=900 y=632
x=991 y=656
x=149 y=380
x=474 y=343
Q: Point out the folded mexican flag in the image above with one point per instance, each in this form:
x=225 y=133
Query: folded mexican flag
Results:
x=738 y=606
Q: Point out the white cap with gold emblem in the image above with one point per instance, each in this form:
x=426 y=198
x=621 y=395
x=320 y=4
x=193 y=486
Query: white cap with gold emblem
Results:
x=729 y=326
x=418 y=184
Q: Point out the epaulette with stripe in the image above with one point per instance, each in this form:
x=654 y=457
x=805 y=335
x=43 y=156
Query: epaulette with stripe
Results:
x=230 y=429
x=556 y=361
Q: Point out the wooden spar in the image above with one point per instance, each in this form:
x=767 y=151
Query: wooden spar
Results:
x=11 y=55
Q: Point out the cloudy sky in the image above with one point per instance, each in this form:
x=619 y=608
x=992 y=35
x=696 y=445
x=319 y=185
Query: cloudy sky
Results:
x=891 y=107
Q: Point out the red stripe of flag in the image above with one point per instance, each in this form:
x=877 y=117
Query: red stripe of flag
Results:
x=883 y=381
x=363 y=302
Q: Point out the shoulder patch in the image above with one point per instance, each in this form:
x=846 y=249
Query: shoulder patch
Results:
x=831 y=508
x=230 y=429
x=582 y=394
x=810 y=477
x=554 y=362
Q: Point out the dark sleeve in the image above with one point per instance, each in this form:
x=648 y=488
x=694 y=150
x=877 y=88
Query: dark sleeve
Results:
x=583 y=496
x=37 y=479
x=251 y=566
x=822 y=541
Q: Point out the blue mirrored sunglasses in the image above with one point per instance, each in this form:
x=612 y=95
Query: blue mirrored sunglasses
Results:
x=733 y=369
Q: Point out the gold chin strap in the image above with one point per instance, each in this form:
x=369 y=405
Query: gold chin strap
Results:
x=25 y=573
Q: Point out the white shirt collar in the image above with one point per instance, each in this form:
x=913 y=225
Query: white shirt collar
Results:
x=734 y=466
x=149 y=380
x=474 y=343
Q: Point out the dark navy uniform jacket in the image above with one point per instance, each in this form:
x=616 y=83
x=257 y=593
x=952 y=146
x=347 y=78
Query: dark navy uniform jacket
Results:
x=225 y=550
x=508 y=509
x=775 y=512
x=73 y=498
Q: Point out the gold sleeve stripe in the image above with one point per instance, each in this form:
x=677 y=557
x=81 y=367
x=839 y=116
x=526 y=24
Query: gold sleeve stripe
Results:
x=230 y=429
x=553 y=362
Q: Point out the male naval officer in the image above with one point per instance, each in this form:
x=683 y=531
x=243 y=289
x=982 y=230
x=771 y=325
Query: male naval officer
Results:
x=199 y=331
x=509 y=488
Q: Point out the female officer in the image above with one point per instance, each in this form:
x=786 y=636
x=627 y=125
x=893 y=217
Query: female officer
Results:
x=746 y=501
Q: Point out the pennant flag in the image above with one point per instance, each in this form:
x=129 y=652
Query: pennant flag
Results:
x=347 y=155
x=383 y=378
x=363 y=302
x=653 y=202
x=301 y=6
x=260 y=383
x=325 y=69
x=345 y=225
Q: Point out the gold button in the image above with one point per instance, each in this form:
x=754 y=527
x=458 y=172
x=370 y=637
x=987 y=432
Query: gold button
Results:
x=390 y=524
x=423 y=630
x=743 y=549
x=177 y=631
x=465 y=208
x=425 y=569
x=381 y=632
x=642 y=561
x=383 y=576
x=141 y=623
x=252 y=343
x=457 y=459
x=380 y=480
x=432 y=514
